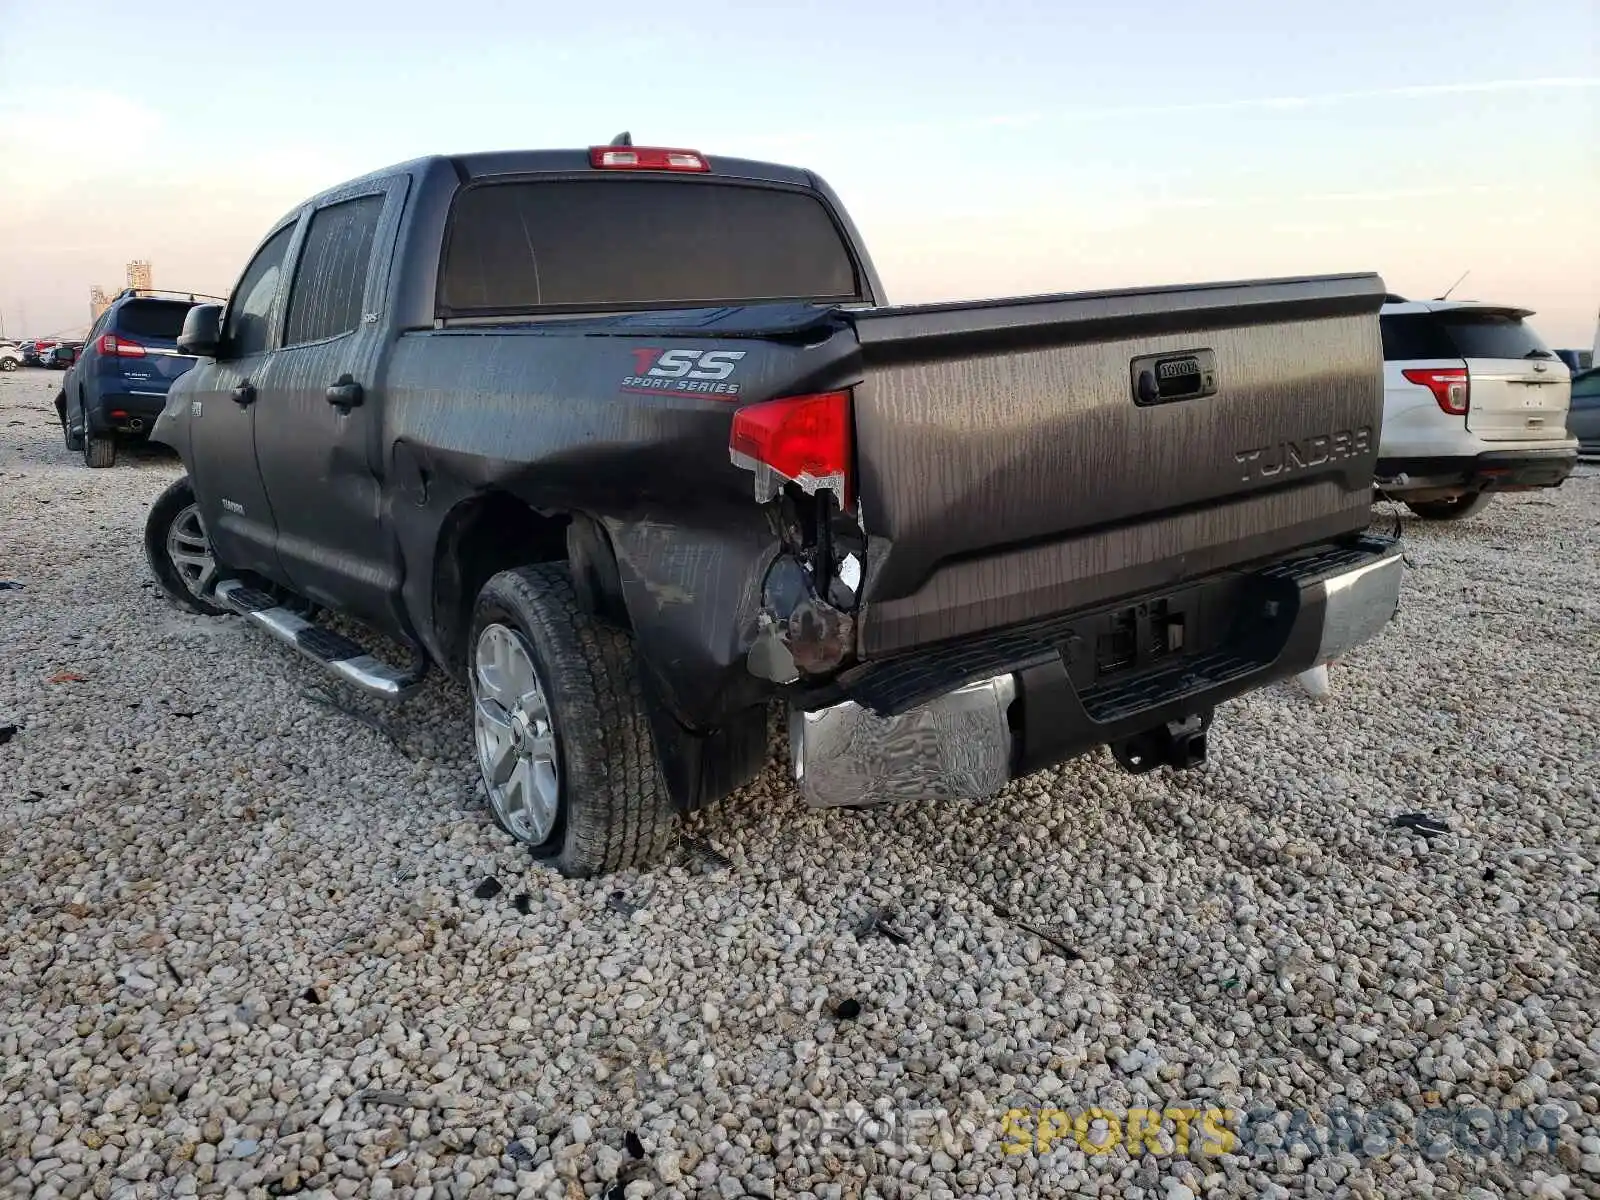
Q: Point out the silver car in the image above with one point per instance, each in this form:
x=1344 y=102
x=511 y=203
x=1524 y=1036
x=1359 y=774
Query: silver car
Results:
x=1583 y=419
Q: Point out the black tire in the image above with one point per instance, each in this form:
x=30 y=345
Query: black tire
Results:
x=1455 y=509
x=9 y=364
x=614 y=810
x=99 y=450
x=164 y=513
x=74 y=441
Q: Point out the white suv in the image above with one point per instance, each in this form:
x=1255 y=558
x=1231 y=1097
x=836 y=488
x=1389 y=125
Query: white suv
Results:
x=1474 y=403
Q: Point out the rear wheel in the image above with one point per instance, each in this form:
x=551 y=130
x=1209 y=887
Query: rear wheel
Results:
x=178 y=550
x=73 y=440
x=9 y=364
x=1454 y=509
x=561 y=729
x=99 y=449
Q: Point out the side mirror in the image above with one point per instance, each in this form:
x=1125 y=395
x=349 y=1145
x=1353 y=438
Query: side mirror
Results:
x=202 y=331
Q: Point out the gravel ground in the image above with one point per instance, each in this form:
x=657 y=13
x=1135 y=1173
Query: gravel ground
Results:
x=254 y=945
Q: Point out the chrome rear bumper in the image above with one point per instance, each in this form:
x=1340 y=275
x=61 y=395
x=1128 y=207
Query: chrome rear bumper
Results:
x=1358 y=603
x=965 y=744
x=955 y=747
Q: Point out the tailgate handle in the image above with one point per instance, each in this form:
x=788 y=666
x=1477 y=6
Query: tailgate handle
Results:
x=1176 y=375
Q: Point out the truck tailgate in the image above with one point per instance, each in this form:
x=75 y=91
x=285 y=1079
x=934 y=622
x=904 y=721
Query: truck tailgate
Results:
x=1021 y=458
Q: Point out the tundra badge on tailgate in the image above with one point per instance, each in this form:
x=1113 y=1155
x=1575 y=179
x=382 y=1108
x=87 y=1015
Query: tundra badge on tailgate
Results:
x=1263 y=462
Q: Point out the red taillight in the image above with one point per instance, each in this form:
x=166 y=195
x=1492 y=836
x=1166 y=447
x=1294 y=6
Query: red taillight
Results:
x=110 y=343
x=1448 y=385
x=804 y=440
x=646 y=158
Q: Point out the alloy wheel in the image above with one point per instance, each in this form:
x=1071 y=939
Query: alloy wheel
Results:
x=190 y=551
x=516 y=738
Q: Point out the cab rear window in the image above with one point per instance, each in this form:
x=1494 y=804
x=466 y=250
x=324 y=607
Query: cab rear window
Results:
x=161 y=319
x=607 y=244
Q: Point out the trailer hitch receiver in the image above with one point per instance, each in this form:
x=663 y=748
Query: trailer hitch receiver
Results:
x=1176 y=744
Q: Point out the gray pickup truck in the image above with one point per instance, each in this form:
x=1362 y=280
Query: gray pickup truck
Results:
x=628 y=440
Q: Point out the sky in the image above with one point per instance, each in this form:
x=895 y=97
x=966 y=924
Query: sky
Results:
x=984 y=149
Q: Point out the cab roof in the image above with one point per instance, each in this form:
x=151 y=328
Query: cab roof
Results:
x=494 y=164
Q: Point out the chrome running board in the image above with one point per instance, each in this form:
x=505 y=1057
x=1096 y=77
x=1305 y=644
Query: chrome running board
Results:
x=334 y=651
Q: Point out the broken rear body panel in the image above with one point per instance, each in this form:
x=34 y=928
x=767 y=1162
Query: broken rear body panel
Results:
x=547 y=416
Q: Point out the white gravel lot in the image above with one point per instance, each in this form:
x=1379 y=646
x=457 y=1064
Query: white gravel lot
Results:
x=241 y=951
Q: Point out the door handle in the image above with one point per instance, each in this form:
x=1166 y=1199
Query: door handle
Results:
x=245 y=394
x=344 y=393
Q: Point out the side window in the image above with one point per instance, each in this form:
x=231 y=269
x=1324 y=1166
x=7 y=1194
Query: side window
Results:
x=331 y=279
x=251 y=310
x=1413 y=336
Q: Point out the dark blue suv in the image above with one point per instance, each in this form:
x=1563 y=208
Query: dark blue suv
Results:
x=118 y=386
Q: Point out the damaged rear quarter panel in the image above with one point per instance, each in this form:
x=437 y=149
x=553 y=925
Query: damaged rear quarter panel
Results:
x=692 y=597
x=540 y=415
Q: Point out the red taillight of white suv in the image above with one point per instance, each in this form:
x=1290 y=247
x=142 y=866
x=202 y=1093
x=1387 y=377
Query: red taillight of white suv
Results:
x=1448 y=385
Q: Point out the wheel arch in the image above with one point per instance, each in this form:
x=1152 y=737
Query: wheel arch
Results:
x=493 y=531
